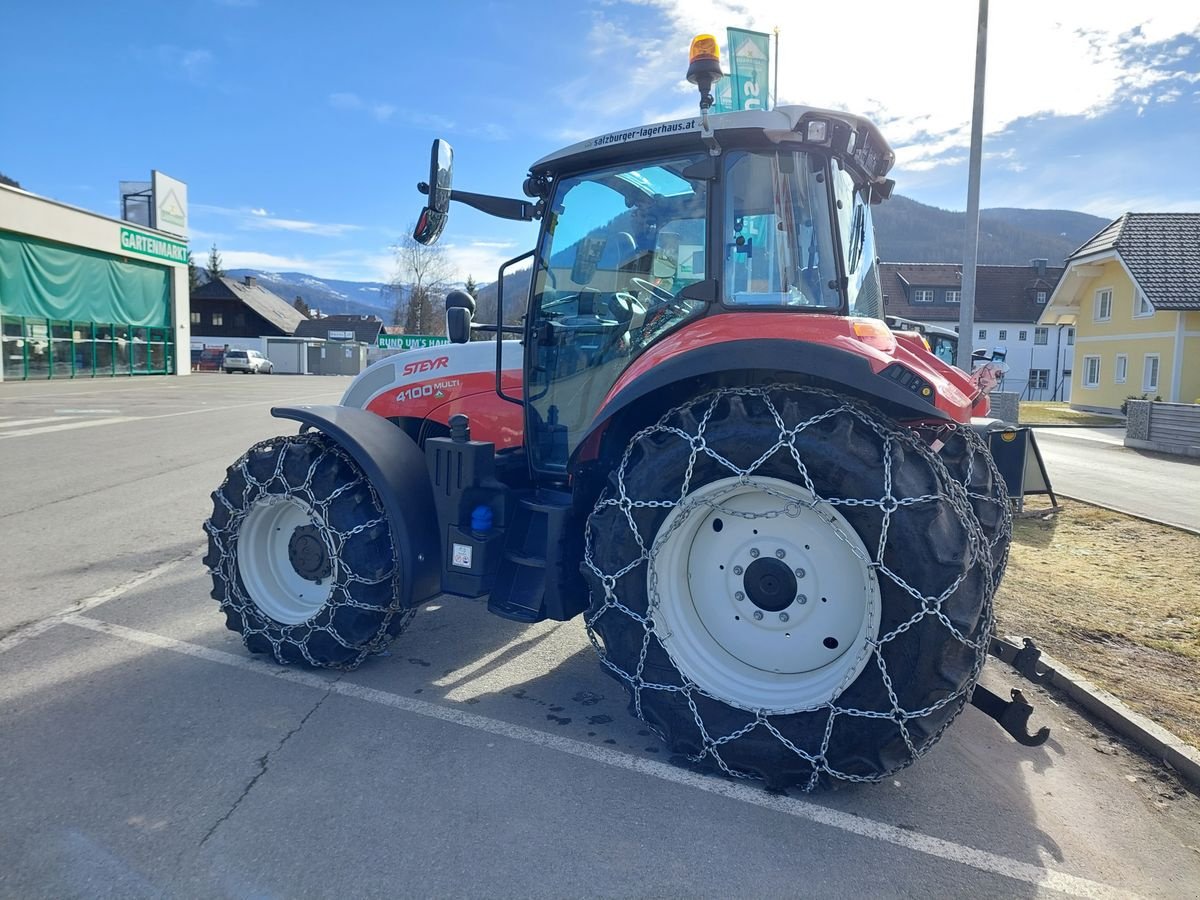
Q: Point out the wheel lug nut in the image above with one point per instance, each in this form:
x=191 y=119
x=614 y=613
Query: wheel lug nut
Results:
x=802 y=599
x=799 y=573
x=739 y=596
x=758 y=615
x=779 y=554
x=783 y=617
x=754 y=552
x=737 y=570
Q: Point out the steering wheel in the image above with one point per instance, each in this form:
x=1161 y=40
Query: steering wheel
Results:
x=659 y=293
x=625 y=306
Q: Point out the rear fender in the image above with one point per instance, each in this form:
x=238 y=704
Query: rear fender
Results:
x=753 y=361
x=395 y=465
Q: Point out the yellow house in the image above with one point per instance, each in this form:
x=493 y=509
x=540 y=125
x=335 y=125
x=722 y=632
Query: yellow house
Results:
x=1133 y=294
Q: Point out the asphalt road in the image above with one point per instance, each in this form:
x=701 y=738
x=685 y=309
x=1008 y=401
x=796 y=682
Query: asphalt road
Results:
x=144 y=753
x=1094 y=465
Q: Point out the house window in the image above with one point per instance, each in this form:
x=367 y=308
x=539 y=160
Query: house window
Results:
x=195 y=318
x=1003 y=334
x=1042 y=297
x=953 y=296
x=1023 y=336
x=218 y=319
x=1071 y=337
x=1039 y=379
x=1121 y=368
x=1091 y=371
x=1142 y=307
x=983 y=334
x=1103 y=305
x=923 y=296
x=1150 y=372
x=1041 y=336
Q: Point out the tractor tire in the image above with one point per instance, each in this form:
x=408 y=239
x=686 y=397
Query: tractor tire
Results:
x=792 y=587
x=300 y=553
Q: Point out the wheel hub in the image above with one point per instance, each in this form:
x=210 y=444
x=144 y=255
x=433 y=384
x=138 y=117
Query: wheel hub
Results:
x=763 y=595
x=770 y=584
x=307 y=554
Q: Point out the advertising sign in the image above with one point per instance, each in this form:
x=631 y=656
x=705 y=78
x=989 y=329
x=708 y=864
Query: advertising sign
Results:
x=170 y=204
x=411 y=341
x=152 y=245
x=748 y=82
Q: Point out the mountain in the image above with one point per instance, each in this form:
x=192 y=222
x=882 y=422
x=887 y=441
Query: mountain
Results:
x=329 y=295
x=908 y=231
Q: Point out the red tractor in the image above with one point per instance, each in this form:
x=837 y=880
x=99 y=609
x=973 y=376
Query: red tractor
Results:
x=771 y=512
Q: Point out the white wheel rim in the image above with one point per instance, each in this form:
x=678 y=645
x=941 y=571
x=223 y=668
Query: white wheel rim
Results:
x=802 y=649
x=267 y=573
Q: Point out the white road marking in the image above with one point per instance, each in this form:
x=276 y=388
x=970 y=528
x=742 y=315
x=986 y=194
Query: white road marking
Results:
x=87 y=412
x=67 y=426
x=858 y=825
x=43 y=420
x=33 y=629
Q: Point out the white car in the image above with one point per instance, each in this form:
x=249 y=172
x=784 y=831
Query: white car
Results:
x=249 y=362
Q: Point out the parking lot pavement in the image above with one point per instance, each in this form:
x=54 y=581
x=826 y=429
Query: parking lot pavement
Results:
x=143 y=752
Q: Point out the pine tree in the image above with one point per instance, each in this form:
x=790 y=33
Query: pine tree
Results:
x=193 y=273
x=302 y=307
x=471 y=287
x=216 y=268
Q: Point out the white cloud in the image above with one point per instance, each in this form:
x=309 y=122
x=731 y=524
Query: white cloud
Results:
x=348 y=100
x=370 y=266
x=259 y=219
x=909 y=66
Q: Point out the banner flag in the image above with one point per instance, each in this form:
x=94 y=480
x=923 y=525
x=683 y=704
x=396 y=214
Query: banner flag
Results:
x=750 y=65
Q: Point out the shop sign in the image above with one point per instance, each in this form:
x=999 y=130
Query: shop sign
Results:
x=411 y=341
x=152 y=245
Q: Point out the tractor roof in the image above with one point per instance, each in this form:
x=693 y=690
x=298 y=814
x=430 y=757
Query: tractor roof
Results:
x=868 y=151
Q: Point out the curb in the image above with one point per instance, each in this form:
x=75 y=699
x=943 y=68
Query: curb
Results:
x=1133 y=515
x=1151 y=737
x=1067 y=425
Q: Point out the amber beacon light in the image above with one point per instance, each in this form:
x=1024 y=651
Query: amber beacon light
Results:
x=704 y=66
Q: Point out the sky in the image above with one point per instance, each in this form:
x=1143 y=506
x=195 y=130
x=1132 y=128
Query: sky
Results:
x=302 y=127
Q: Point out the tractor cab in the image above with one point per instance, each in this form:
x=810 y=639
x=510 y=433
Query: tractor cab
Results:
x=652 y=230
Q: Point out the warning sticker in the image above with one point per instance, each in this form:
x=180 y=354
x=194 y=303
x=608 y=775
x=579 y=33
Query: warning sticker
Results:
x=461 y=556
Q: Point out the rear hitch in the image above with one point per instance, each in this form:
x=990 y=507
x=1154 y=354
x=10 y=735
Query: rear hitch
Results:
x=1013 y=715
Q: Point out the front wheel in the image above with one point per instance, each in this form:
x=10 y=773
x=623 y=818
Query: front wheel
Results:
x=793 y=587
x=301 y=558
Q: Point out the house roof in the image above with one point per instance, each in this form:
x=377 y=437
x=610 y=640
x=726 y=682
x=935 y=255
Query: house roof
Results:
x=273 y=308
x=1161 y=252
x=1002 y=293
x=366 y=328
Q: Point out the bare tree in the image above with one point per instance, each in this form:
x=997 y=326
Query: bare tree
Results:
x=422 y=272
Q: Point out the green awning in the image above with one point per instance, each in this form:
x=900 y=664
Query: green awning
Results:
x=41 y=279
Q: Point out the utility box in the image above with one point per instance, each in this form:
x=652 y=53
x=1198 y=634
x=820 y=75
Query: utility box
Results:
x=337 y=358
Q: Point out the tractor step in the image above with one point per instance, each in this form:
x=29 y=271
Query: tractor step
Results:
x=536 y=580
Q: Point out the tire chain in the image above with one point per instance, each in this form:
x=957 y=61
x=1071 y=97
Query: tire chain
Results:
x=981 y=551
x=225 y=540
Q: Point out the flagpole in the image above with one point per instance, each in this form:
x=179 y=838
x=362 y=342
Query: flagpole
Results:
x=966 y=312
x=775 y=96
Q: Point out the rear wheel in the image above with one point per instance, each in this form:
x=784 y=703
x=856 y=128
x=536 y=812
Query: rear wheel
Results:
x=791 y=586
x=301 y=556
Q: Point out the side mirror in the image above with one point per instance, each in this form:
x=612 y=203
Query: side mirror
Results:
x=441 y=178
x=458 y=324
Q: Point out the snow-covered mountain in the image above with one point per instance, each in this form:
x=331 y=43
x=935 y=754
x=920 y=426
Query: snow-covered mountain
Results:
x=329 y=295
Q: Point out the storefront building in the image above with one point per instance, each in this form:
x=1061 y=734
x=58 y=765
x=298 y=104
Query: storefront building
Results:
x=87 y=296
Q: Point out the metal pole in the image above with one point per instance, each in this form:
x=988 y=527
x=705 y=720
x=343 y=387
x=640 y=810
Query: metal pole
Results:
x=966 y=313
x=775 y=96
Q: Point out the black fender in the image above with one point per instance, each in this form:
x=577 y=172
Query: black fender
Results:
x=817 y=364
x=395 y=465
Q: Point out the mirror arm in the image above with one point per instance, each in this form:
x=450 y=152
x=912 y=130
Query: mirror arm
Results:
x=502 y=329
x=501 y=207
